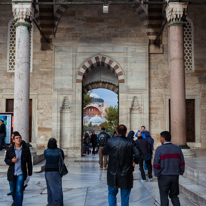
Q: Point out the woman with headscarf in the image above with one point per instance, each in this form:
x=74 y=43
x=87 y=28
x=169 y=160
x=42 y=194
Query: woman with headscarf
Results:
x=131 y=135
x=52 y=175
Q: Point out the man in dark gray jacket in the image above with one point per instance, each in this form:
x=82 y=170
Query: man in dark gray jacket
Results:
x=121 y=165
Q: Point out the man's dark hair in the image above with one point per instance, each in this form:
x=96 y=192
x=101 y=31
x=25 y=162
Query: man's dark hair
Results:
x=122 y=129
x=2 y=120
x=103 y=128
x=166 y=135
x=142 y=126
x=15 y=134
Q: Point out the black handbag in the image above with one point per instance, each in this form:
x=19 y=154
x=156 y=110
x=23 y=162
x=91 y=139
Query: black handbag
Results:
x=62 y=168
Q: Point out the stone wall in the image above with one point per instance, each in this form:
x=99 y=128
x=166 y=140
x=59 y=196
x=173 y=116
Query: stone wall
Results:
x=88 y=24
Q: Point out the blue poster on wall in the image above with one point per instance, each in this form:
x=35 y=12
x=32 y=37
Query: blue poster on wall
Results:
x=7 y=118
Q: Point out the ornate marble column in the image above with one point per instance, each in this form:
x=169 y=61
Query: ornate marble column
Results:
x=176 y=14
x=23 y=14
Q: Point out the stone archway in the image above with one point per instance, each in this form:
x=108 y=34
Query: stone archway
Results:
x=99 y=71
x=77 y=70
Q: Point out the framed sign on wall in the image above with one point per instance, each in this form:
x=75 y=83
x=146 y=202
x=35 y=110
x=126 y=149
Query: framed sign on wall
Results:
x=8 y=121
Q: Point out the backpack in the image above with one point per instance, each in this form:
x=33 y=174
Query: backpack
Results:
x=102 y=139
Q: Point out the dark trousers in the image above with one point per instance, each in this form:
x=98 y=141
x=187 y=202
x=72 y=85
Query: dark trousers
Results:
x=93 y=146
x=149 y=167
x=2 y=136
x=169 y=185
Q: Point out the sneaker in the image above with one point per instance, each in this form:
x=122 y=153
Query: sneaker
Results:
x=149 y=179
x=105 y=168
x=142 y=180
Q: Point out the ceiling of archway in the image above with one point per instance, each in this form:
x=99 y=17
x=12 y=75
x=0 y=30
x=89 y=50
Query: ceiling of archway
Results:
x=100 y=74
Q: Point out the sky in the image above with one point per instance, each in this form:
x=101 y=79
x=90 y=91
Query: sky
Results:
x=107 y=95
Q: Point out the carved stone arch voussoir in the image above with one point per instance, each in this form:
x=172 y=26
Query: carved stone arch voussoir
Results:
x=102 y=60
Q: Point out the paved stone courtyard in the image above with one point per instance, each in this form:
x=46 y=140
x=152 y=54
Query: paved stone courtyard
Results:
x=85 y=185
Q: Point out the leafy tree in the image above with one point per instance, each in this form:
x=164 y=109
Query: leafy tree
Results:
x=112 y=117
x=86 y=99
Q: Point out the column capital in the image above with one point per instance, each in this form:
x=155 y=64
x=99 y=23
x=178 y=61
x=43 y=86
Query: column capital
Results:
x=176 y=12
x=23 y=13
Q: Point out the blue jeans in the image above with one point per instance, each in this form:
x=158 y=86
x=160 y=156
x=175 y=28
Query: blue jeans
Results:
x=54 y=188
x=112 y=193
x=16 y=189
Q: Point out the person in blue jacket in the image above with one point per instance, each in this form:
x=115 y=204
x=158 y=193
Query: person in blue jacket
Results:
x=143 y=130
x=102 y=140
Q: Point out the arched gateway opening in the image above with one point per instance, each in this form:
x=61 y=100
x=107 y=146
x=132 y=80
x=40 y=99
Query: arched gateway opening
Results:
x=98 y=72
x=79 y=72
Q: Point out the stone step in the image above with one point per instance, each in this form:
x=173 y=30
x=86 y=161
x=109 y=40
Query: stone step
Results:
x=197 y=175
x=194 y=192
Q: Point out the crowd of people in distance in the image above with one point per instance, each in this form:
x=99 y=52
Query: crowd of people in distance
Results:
x=117 y=154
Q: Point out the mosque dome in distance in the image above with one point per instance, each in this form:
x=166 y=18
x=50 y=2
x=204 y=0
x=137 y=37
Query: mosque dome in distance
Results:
x=96 y=120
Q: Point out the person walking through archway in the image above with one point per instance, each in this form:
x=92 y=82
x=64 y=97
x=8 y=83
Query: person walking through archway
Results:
x=87 y=143
x=122 y=152
x=94 y=142
x=102 y=140
x=146 y=155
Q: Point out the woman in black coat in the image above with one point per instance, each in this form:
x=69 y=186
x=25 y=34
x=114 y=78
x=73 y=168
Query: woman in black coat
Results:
x=94 y=142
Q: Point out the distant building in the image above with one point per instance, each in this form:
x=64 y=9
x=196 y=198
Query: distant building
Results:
x=95 y=111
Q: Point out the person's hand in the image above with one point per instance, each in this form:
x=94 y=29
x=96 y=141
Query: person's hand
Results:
x=14 y=159
x=133 y=164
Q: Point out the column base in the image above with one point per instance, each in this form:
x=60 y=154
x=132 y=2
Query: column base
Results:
x=187 y=152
